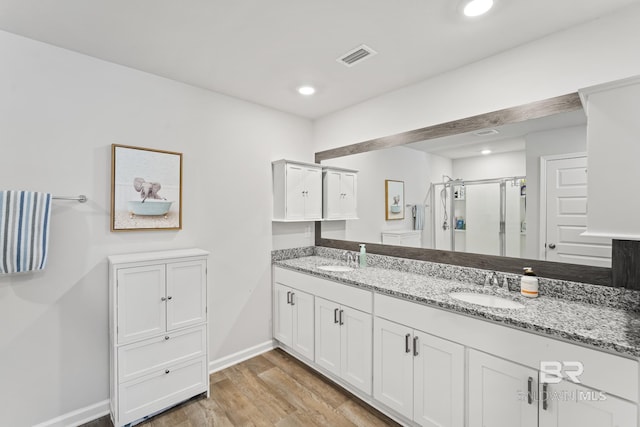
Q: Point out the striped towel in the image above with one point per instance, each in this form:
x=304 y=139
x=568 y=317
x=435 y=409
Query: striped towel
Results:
x=24 y=230
x=418 y=217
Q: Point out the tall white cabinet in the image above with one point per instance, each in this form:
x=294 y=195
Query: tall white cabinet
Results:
x=157 y=331
x=297 y=191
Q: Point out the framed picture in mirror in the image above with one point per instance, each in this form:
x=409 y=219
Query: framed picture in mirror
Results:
x=394 y=199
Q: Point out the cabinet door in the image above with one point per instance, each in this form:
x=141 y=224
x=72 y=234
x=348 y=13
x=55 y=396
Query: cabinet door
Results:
x=282 y=317
x=571 y=405
x=349 y=192
x=295 y=191
x=356 y=336
x=438 y=382
x=500 y=394
x=327 y=335
x=333 y=195
x=141 y=306
x=186 y=294
x=393 y=366
x=303 y=319
x=313 y=193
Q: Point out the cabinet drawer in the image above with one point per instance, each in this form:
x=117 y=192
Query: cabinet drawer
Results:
x=360 y=299
x=141 y=358
x=161 y=389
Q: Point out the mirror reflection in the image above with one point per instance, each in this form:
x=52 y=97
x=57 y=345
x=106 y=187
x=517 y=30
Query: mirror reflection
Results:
x=517 y=190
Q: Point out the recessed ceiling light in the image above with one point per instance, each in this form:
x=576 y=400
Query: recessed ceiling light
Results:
x=477 y=7
x=485 y=151
x=306 y=90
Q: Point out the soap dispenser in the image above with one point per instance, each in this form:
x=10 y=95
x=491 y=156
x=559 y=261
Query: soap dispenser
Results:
x=529 y=283
x=363 y=256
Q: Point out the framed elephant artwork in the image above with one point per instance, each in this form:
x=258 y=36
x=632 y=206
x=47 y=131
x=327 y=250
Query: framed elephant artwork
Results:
x=393 y=199
x=146 y=189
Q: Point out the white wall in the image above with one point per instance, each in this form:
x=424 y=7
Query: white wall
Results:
x=596 y=52
x=496 y=165
x=415 y=168
x=546 y=143
x=59 y=113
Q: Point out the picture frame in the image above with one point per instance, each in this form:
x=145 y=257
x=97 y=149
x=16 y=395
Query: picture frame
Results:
x=146 y=189
x=393 y=199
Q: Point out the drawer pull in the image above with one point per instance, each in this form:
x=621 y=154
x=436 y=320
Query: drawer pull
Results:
x=288 y=297
x=415 y=346
x=293 y=294
x=341 y=319
x=166 y=371
x=407 y=338
x=529 y=391
x=545 y=401
x=335 y=315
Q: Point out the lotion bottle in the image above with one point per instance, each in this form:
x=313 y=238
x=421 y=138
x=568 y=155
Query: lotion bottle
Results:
x=363 y=256
x=529 y=283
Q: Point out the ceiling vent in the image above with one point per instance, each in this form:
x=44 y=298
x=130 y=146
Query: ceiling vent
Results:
x=357 y=55
x=486 y=132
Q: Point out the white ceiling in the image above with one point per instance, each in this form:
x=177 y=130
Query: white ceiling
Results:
x=262 y=50
x=510 y=137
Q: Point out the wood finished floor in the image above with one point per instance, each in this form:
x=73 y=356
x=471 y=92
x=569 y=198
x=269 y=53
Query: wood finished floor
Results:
x=272 y=389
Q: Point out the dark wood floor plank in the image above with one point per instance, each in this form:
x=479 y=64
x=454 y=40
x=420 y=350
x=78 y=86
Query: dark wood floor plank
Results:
x=272 y=405
x=333 y=395
x=304 y=399
x=238 y=408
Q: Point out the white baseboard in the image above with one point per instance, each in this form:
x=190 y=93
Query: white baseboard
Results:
x=79 y=416
x=241 y=356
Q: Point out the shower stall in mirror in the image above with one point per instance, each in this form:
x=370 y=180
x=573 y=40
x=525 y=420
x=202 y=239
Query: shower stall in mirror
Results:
x=486 y=216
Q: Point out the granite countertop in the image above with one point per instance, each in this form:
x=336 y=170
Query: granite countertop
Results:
x=611 y=329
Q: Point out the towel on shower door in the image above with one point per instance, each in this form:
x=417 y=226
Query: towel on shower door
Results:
x=24 y=230
x=418 y=217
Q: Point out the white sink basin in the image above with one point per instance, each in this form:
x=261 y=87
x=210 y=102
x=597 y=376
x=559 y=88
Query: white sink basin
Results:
x=336 y=268
x=486 y=300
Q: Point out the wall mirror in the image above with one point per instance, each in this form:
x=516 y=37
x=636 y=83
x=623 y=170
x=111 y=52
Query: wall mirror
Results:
x=502 y=190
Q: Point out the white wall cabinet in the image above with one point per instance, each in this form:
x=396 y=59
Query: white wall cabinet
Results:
x=157 y=331
x=293 y=319
x=343 y=342
x=501 y=393
x=297 y=191
x=418 y=375
x=410 y=238
x=340 y=193
x=612 y=157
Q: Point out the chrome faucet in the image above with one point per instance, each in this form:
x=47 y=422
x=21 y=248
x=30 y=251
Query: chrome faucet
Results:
x=351 y=258
x=491 y=280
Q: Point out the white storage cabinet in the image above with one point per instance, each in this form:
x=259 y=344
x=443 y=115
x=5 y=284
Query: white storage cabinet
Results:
x=157 y=331
x=293 y=319
x=340 y=193
x=297 y=191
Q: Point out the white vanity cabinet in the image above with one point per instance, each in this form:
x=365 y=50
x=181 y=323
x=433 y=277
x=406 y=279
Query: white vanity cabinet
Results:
x=339 y=191
x=612 y=158
x=293 y=319
x=343 y=342
x=157 y=331
x=297 y=191
x=418 y=375
x=501 y=393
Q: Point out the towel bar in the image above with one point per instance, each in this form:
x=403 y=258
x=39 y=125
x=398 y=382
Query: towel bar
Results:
x=81 y=198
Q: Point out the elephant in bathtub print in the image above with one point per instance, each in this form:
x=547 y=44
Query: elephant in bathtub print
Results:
x=152 y=203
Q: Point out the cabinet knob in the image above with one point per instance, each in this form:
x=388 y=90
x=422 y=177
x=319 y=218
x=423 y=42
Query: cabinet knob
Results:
x=166 y=371
x=552 y=245
x=170 y=297
x=163 y=299
x=166 y=337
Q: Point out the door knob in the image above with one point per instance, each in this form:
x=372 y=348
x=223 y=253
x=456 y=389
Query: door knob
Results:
x=552 y=245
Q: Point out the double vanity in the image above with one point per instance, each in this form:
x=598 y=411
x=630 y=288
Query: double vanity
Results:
x=429 y=344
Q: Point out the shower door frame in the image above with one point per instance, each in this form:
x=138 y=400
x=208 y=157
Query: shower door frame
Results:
x=460 y=182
